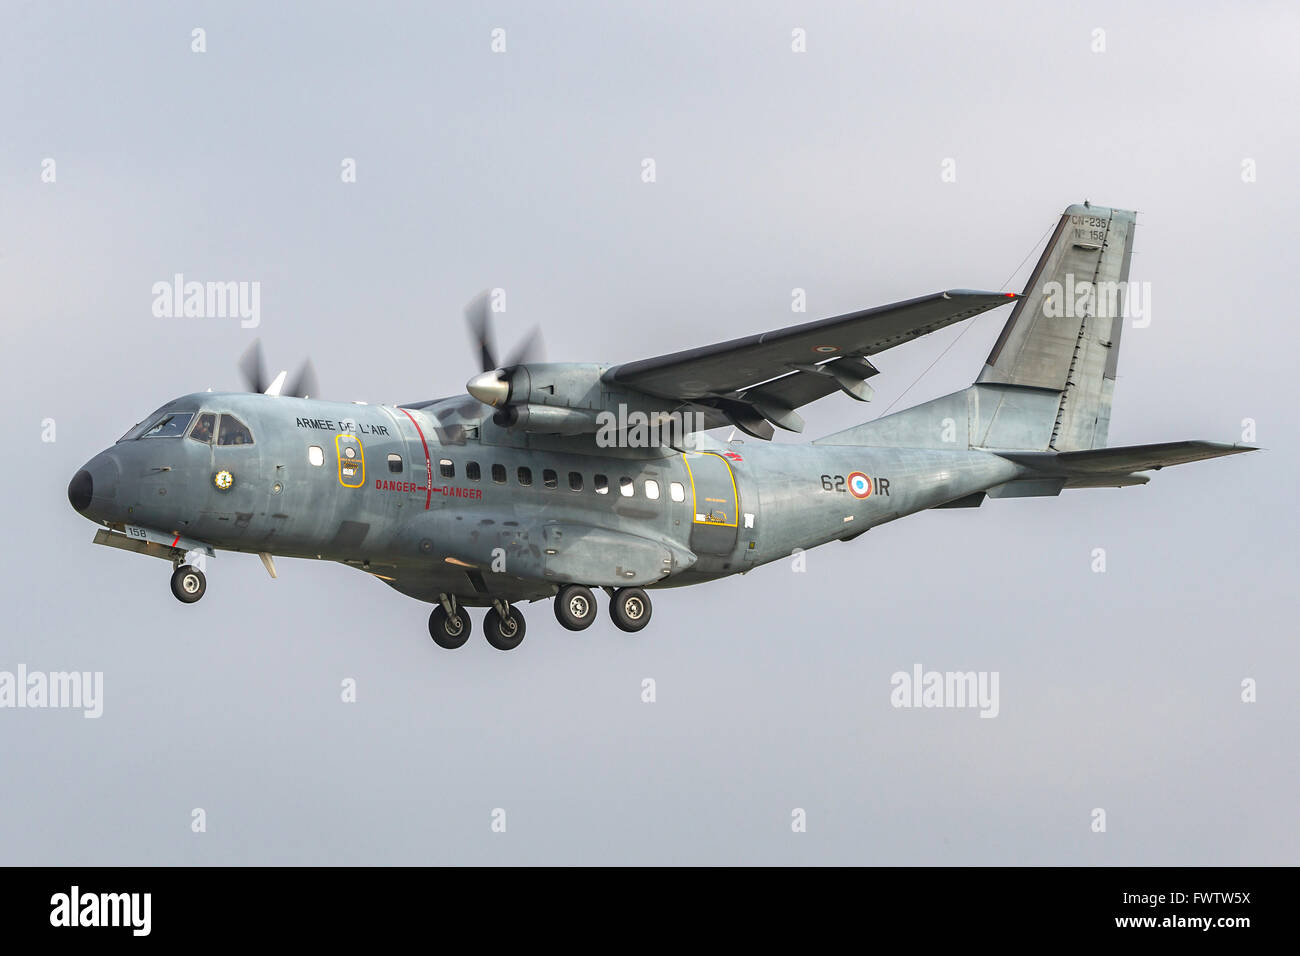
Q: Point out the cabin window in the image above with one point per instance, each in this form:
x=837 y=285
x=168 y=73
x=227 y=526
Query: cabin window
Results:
x=316 y=455
x=550 y=479
x=625 y=487
x=499 y=474
x=395 y=464
x=525 y=476
x=205 y=428
x=575 y=481
x=676 y=491
x=446 y=469
x=472 y=471
x=601 y=484
x=233 y=432
x=169 y=426
x=652 y=489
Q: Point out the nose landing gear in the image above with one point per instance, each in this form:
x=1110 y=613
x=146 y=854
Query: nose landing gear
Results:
x=188 y=584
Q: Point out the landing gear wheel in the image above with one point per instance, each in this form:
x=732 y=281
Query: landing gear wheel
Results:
x=575 y=607
x=188 y=584
x=447 y=630
x=630 y=609
x=504 y=633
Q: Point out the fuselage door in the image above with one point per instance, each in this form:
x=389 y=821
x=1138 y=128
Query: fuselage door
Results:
x=716 y=504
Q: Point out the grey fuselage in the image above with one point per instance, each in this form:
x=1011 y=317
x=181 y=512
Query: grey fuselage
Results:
x=295 y=491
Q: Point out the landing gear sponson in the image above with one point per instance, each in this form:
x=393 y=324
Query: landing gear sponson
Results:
x=504 y=625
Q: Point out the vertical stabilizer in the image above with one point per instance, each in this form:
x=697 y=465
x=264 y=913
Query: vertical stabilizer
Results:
x=1063 y=336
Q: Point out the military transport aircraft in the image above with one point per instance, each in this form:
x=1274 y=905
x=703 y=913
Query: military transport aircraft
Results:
x=544 y=481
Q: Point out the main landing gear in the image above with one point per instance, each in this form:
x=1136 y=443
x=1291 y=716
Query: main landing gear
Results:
x=188 y=584
x=630 y=609
x=449 y=624
x=575 y=607
x=504 y=625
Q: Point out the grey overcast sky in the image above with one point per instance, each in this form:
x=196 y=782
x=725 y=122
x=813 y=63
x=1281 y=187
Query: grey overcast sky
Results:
x=775 y=170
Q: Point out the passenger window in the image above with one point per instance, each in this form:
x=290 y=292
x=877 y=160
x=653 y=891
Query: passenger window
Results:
x=316 y=455
x=677 y=492
x=550 y=479
x=233 y=432
x=525 y=476
x=625 y=487
x=395 y=464
x=471 y=471
x=169 y=426
x=601 y=483
x=575 y=481
x=204 y=428
x=499 y=474
x=652 y=489
x=446 y=468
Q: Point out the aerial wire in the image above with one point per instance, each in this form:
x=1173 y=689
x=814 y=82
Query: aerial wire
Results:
x=969 y=326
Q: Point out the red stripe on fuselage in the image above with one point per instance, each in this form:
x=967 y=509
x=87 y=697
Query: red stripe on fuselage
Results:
x=428 y=462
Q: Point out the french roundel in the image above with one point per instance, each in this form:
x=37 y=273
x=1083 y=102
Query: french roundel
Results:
x=859 y=485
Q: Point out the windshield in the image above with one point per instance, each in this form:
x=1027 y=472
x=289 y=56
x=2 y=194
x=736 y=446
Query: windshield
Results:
x=133 y=432
x=171 y=425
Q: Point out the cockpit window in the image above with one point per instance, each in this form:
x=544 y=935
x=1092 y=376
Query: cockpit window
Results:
x=233 y=432
x=171 y=425
x=133 y=432
x=203 y=428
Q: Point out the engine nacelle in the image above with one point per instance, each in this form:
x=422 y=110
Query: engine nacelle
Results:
x=547 y=419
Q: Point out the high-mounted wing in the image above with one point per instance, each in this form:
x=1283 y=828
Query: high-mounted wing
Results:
x=762 y=378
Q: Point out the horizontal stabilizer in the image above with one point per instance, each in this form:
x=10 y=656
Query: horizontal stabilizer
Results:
x=1123 y=460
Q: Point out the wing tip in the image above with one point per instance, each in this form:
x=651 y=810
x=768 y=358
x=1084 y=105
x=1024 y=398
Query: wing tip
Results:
x=981 y=294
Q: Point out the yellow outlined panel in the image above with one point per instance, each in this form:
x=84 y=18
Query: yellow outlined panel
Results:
x=695 y=501
x=352 y=460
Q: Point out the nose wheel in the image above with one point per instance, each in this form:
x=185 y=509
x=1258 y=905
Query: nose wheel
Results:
x=575 y=607
x=188 y=584
x=504 y=626
x=630 y=609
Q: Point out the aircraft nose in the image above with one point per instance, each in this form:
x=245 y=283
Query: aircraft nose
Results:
x=80 y=490
x=94 y=486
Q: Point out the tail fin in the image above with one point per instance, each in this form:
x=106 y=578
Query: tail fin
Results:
x=1049 y=381
x=1063 y=336
x=1043 y=397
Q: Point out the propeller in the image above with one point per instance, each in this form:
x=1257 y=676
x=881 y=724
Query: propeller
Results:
x=252 y=365
x=492 y=386
x=478 y=315
x=455 y=417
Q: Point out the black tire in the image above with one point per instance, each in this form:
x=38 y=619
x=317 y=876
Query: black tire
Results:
x=447 y=631
x=575 y=607
x=630 y=609
x=188 y=584
x=504 y=635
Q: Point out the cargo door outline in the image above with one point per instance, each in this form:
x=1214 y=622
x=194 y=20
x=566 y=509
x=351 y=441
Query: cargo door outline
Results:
x=715 y=504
